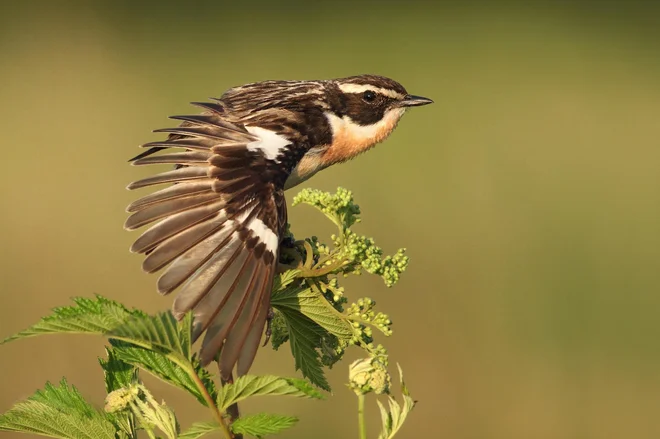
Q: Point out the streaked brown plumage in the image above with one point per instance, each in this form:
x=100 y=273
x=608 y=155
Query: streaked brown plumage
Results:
x=218 y=225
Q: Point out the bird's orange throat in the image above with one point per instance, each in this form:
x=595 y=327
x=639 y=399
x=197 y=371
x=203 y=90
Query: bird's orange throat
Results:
x=350 y=139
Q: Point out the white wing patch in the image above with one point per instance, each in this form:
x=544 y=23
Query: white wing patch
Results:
x=265 y=235
x=270 y=143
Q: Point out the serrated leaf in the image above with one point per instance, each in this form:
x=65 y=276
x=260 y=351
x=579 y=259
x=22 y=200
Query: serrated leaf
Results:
x=283 y=280
x=116 y=372
x=63 y=397
x=60 y=412
x=87 y=316
x=393 y=419
x=251 y=385
x=305 y=388
x=262 y=424
x=199 y=429
x=161 y=332
x=159 y=365
x=313 y=305
x=305 y=338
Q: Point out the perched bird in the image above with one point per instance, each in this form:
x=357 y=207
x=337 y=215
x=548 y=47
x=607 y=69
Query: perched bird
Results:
x=219 y=225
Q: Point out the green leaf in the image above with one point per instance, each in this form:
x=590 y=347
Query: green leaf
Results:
x=161 y=333
x=60 y=412
x=393 y=419
x=162 y=367
x=250 y=385
x=305 y=337
x=283 y=280
x=262 y=424
x=87 y=316
x=117 y=373
x=199 y=429
x=313 y=305
x=312 y=324
x=63 y=397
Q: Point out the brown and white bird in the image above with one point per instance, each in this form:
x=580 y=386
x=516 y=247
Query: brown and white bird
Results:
x=219 y=224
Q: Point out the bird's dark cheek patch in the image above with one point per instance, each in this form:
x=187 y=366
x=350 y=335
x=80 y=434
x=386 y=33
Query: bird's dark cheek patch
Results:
x=364 y=113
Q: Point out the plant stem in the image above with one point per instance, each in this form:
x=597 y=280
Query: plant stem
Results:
x=361 y=423
x=217 y=413
x=318 y=272
x=233 y=410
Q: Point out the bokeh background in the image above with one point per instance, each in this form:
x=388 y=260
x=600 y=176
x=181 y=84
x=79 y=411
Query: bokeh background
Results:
x=528 y=195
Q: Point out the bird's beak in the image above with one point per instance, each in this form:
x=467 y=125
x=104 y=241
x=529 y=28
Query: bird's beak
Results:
x=414 y=101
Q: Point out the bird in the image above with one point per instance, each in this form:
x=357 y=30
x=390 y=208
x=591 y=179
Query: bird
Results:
x=217 y=227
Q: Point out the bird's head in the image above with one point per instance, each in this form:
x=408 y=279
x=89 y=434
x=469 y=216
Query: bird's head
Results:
x=363 y=110
x=368 y=99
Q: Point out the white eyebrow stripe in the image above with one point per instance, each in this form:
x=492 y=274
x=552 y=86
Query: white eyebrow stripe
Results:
x=361 y=88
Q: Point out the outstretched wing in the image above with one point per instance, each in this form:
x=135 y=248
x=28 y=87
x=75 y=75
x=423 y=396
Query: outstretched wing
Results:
x=217 y=229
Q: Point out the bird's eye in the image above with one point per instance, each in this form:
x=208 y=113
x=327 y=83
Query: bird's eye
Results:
x=369 y=96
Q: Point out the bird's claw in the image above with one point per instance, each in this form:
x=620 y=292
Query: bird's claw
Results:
x=288 y=242
x=269 y=321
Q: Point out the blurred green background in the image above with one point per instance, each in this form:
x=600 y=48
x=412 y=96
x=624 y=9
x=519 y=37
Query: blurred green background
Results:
x=528 y=195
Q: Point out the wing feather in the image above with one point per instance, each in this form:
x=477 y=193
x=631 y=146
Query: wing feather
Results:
x=252 y=340
x=246 y=321
x=153 y=212
x=176 y=231
x=190 y=251
x=206 y=292
x=222 y=321
x=182 y=174
x=196 y=143
x=202 y=131
x=216 y=231
x=177 y=158
x=214 y=120
x=171 y=192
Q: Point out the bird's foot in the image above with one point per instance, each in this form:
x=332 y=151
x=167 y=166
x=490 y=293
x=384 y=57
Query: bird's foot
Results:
x=291 y=255
x=269 y=322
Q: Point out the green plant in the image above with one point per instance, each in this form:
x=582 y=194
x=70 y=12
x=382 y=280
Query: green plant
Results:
x=310 y=313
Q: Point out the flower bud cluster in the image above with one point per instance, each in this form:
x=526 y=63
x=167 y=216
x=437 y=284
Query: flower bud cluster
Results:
x=333 y=292
x=121 y=399
x=338 y=206
x=353 y=252
x=318 y=247
x=363 y=253
x=279 y=330
x=369 y=375
x=363 y=310
x=362 y=336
